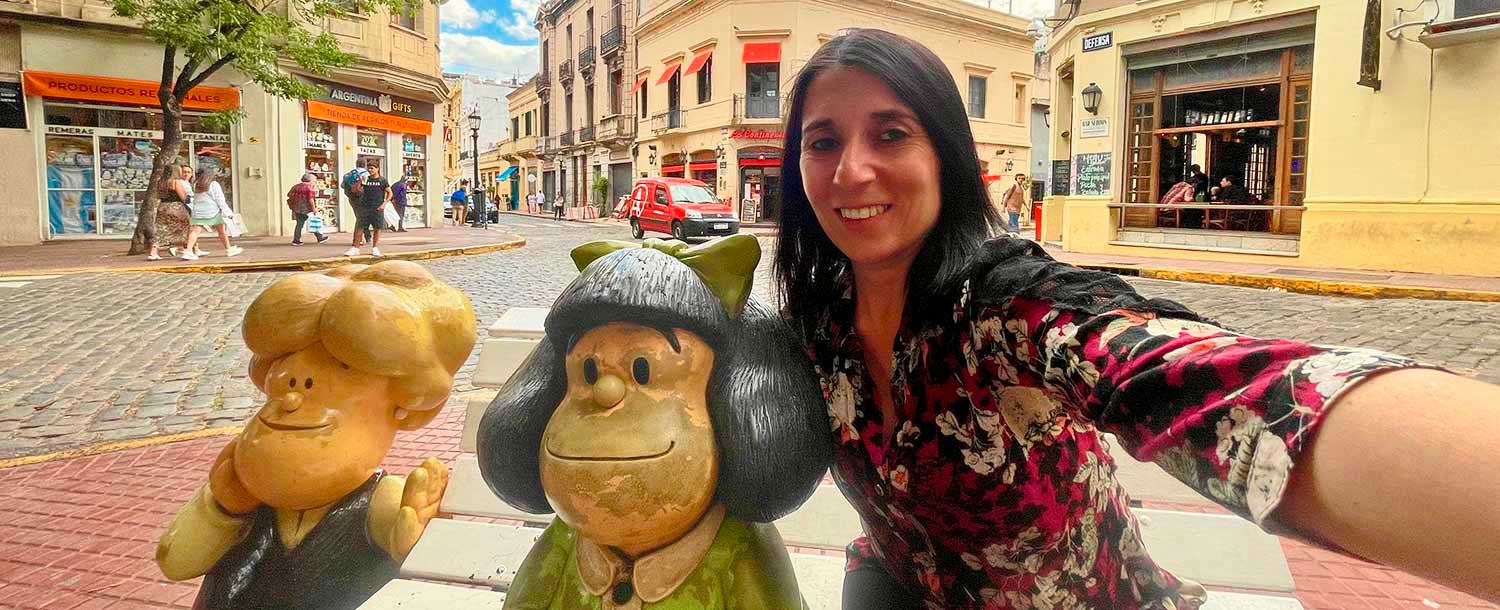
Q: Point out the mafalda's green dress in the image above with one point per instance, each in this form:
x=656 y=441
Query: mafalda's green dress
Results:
x=722 y=564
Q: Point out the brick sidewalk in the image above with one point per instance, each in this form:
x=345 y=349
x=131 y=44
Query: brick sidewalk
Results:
x=261 y=253
x=80 y=533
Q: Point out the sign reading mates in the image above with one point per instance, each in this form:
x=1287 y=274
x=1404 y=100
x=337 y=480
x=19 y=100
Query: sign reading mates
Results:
x=374 y=101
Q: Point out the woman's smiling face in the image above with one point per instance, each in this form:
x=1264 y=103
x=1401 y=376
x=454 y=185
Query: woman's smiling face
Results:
x=869 y=169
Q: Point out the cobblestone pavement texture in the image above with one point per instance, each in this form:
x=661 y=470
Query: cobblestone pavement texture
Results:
x=80 y=533
x=96 y=358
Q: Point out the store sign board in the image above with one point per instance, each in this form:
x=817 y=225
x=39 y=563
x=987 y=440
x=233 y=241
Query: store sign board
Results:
x=207 y=137
x=123 y=91
x=1091 y=174
x=373 y=151
x=373 y=101
x=1094 y=128
x=319 y=145
x=757 y=134
x=363 y=118
x=138 y=134
x=1098 y=42
x=1062 y=172
x=413 y=155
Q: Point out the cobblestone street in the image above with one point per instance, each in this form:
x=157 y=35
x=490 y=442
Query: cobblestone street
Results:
x=94 y=358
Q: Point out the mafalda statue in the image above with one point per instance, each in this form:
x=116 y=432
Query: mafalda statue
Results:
x=296 y=513
x=667 y=418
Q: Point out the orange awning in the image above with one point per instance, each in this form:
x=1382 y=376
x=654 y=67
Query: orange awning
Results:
x=669 y=73
x=639 y=83
x=762 y=53
x=123 y=91
x=365 y=118
x=698 y=61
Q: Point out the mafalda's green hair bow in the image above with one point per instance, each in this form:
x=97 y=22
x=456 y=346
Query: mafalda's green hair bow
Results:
x=726 y=265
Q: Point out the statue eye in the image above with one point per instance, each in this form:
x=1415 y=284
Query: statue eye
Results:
x=590 y=371
x=308 y=384
x=642 y=371
x=292 y=383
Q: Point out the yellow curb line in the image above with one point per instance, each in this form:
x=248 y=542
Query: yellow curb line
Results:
x=134 y=443
x=291 y=265
x=1307 y=286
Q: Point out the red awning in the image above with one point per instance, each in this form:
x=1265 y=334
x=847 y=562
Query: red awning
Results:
x=672 y=169
x=988 y=178
x=638 y=84
x=762 y=53
x=669 y=73
x=698 y=61
x=760 y=162
x=703 y=166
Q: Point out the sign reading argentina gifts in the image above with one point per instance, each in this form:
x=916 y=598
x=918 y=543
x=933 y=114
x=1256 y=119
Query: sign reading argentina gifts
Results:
x=373 y=101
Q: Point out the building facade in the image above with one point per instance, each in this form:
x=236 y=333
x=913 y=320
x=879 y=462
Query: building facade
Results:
x=525 y=176
x=467 y=95
x=584 y=93
x=1354 y=143
x=711 y=83
x=78 y=87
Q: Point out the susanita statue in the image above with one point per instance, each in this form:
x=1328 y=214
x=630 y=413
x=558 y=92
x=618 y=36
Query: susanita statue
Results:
x=667 y=418
x=296 y=513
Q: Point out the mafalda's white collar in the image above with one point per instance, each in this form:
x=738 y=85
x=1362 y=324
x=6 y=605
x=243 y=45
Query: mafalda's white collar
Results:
x=654 y=575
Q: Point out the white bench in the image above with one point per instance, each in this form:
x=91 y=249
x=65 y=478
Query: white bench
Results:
x=470 y=554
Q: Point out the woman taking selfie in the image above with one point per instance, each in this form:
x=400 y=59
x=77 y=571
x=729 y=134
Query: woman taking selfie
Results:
x=969 y=381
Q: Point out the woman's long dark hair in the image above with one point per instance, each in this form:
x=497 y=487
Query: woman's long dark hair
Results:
x=808 y=265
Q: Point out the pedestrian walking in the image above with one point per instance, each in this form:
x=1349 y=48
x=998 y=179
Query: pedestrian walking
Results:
x=173 y=217
x=1014 y=201
x=558 y=207
x=374 y=193
x=300 y=200
x=398 y=199
x=210 y=211
x=970 y=381
x=531 y=203
x=460 y=203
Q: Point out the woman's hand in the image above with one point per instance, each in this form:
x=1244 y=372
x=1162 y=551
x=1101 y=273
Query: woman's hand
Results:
x=225 y=484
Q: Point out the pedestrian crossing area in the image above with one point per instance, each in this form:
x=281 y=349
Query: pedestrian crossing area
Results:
x=21 y=281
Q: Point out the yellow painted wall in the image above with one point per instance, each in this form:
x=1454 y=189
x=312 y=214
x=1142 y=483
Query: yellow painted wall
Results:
x=1398 y=179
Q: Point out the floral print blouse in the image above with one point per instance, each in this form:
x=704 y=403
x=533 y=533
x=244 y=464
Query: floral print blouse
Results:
x=997 y=490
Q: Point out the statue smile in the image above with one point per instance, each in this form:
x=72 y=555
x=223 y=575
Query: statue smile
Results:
x=572 y=458
x=277 y=426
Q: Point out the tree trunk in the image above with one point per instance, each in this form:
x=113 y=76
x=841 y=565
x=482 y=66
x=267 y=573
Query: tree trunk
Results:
x=162 y=166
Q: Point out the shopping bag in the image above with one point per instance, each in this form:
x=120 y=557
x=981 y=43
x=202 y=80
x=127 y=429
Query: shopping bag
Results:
x=234 y=226
x=315 y=223
x=392 y=217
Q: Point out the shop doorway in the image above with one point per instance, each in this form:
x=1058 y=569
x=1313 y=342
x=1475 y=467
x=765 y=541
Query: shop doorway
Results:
x=760 y=193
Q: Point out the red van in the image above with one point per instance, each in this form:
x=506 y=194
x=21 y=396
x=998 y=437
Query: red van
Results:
x=679 y=207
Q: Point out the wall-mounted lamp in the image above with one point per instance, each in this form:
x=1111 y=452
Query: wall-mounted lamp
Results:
x=1091 y=96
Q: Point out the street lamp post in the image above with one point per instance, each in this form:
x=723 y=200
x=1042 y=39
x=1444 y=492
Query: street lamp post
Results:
x=481 y=219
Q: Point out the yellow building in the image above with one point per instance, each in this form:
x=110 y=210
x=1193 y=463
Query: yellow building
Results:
x=1358 y=144
x=455 y=152
x=520 y=149
x=79 y=132
x=711 y=84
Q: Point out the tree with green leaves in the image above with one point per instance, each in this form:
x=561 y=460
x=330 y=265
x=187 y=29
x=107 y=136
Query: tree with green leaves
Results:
x=202 y=37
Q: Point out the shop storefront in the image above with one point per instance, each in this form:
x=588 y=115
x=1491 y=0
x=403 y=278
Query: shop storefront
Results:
x=98 y=139
x=348 y=127
x=759 y=188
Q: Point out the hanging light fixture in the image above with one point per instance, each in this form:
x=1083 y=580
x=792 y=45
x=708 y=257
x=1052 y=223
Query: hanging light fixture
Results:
x=1091 y=96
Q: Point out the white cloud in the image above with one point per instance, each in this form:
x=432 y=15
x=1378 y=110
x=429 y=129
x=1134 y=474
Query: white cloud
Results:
x=526 y=7
x=487 y=57
x=460 y=15
x=520 y=27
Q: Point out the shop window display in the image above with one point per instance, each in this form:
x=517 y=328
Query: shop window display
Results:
x=321 y=160
x=70 y=185
x=371 y=145
x=414 y=171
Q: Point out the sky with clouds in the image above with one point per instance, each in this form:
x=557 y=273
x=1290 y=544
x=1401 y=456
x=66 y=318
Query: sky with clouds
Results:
x=496 y=38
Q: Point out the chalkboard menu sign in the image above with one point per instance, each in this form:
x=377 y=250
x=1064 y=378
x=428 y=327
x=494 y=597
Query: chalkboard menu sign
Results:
x=1061 y=176
x=12 y=106
x=1091 y=174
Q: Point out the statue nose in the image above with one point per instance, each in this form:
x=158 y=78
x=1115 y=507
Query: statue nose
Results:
x=290 y=402
x=609 y=391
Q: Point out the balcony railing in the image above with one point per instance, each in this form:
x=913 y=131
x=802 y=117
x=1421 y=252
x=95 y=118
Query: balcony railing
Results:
x=586 y=50
x=613 y=40
x=759 y=107
x=546 y=145
x=617 y=127
x=586 y=134
x=565 y=140
x=543 y=80
x=565 y=71
x=671 y=119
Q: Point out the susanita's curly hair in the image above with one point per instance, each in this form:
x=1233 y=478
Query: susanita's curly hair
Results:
x=392 y=319
x=768 y=415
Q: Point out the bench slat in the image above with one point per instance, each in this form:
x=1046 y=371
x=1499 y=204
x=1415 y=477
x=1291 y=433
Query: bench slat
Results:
x=499 y=357
x=521 y=322
x=415 y=595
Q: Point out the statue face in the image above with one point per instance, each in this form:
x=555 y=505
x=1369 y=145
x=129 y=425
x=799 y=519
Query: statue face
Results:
x=629 y=457
x=324 y=429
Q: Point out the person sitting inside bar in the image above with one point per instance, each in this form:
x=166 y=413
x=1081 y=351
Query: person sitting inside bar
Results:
x=1230 y=191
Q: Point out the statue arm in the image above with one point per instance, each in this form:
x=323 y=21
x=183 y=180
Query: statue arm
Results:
x=762 y=576
x=199 y=535
x=540 y=577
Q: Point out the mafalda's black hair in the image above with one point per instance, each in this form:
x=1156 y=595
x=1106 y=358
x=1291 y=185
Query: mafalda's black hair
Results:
x=769 y=417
